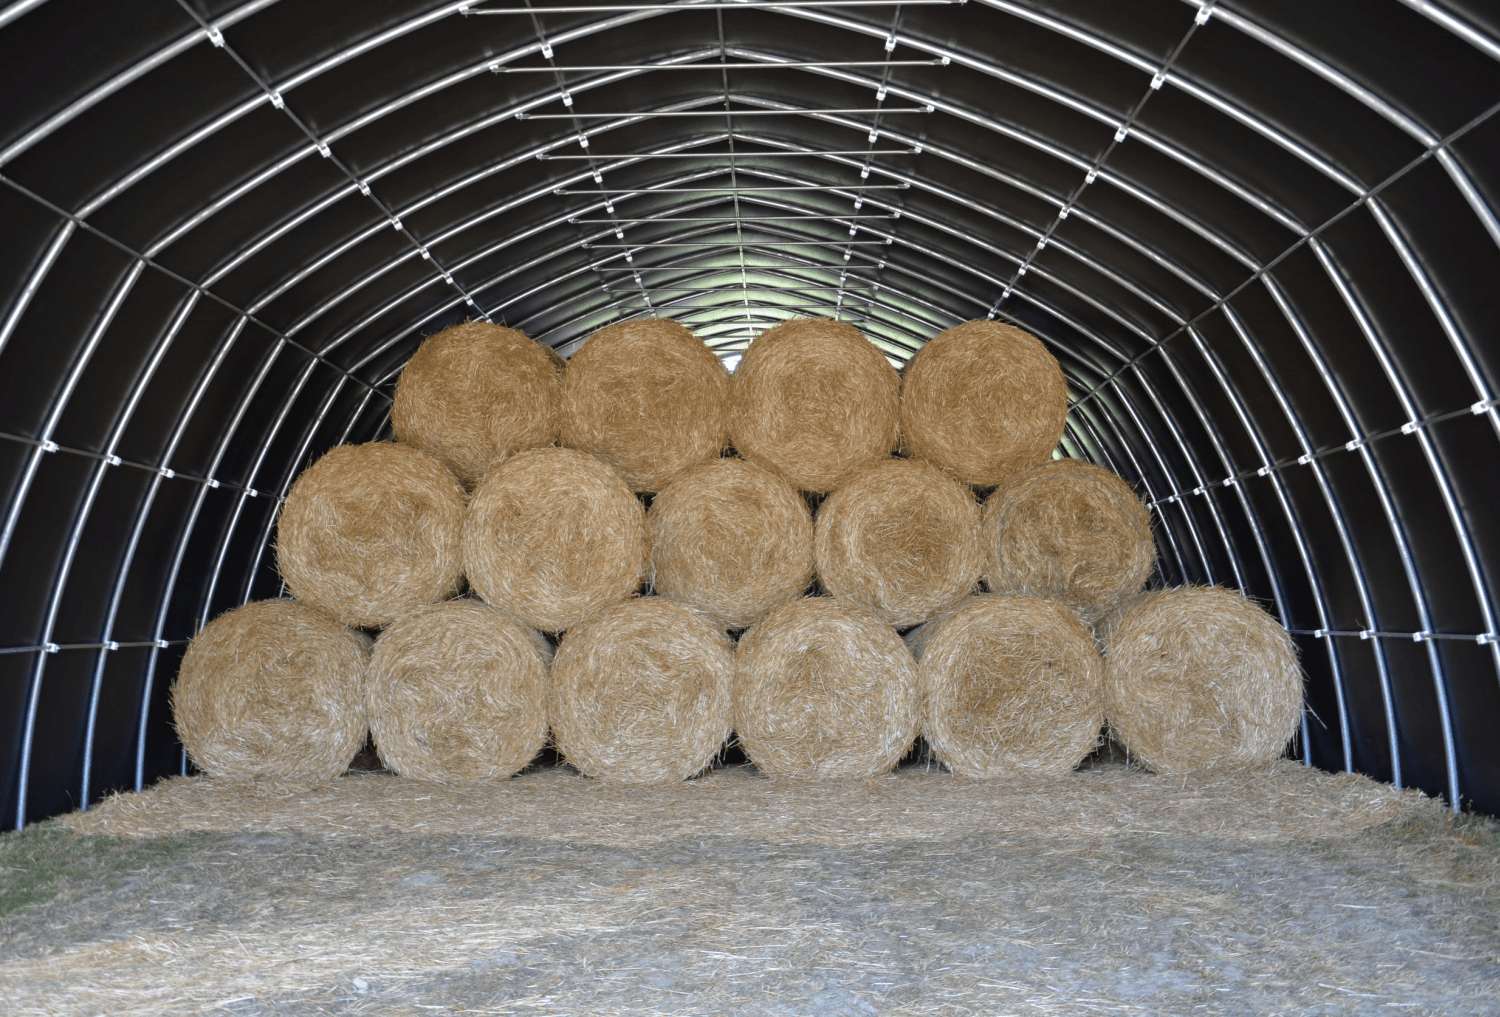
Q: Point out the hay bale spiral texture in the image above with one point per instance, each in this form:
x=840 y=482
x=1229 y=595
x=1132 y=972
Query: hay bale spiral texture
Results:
x=1010 y=684
x=825 y=689
x=983 y=400
x=647 y=397
x=1071 y=531
x=457 y=692
x=902 y=538
x=371 y=532
x=273 y=689
x=553 y=536
x=1200 y=678
x=732 y=540
x=641 y=693
x=476 y=393
x=812 y=399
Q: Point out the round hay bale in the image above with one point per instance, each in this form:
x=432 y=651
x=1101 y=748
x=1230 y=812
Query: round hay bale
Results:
x=273 y=689
x=1010 y=684
x=641 y=693
x=732 y=540
x=823 y=688
x=1071 y=531
x=476 y=393
x=983 y=400
x=647 y=397
x=371 y=532
x=553 y=536
x=813 y=399
x=902 y=538
x=457 y=692
x=1200 y=678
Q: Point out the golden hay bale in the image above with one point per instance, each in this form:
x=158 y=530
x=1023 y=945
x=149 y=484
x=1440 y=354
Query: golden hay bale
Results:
x=1010 y=684
x=370 y=532
x=457 y=692
x=824 y=688
x=1071 y=531
x=732 y=540
x=272 y=689
x=1199 y=678
x=641 y=693
x=476 y=393
x=553 y=535
x=647 y=397
x=900 y=537
x=983 y=400
x=812 y=399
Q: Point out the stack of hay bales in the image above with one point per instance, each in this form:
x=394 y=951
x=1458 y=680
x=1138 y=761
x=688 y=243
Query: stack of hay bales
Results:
x=515 y=503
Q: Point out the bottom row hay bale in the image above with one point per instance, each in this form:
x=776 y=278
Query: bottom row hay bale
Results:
x=458 y=692
x=272 y=689
x=823 y=689
x=1010 y=684
x=1199 y=678
x=640 y=693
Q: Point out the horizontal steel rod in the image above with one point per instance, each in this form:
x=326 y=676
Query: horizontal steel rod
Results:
x=739 y=287
x=1482 y=638
x=722 y=113
x=765 y=5
x=648 y=245
x=733 y=190
x=735 y=66
x=108 y=644
x=728 y=218
x=643 y=156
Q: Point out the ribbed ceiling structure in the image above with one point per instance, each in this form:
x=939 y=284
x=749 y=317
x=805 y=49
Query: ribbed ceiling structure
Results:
x=1260 y=236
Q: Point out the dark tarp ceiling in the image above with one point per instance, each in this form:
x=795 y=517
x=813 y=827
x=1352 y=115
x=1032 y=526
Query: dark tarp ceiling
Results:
x=1260 y=236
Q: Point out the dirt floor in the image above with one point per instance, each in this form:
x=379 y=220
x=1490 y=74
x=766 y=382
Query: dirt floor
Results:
x=1107 y=892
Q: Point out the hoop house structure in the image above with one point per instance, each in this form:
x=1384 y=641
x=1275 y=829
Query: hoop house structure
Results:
x=1261 y=238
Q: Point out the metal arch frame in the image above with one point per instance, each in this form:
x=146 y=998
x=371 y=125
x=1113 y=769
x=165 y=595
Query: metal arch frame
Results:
x=367 y=397
x=1336 y=514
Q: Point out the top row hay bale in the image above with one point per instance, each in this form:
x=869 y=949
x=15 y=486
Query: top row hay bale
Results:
x=371 y=532
x=272 y=689
x=982 y=401
x=475 y=394
x=813 y=399
x=1200 y=678
x=647 y=397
